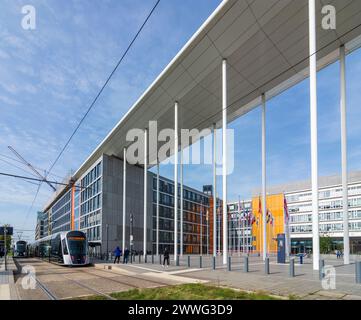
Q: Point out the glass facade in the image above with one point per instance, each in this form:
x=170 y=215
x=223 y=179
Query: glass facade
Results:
x=90 y=205
x=61 y=214
x=240 y=229
x=195 y=218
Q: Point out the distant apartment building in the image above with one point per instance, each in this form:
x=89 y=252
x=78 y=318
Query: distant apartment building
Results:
x=240 y=237
x=39 y=229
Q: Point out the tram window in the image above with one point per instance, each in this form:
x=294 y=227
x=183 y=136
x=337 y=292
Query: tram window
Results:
x=65 y=248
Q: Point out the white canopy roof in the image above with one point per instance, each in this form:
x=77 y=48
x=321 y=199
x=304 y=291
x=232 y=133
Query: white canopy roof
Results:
x=266 y=45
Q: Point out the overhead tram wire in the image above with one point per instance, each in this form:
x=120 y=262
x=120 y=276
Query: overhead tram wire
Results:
x=18 y=161
x=42 y=180
x=104 y=85
x=99 y=93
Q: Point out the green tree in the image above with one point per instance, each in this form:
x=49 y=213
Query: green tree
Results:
x=325 y=245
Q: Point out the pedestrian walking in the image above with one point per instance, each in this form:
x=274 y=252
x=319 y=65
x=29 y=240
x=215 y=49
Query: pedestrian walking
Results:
x=117 y=253
x=166 y=257
x=126 y=256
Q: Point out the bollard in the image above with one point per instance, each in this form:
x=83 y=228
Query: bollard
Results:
x=160 y=259
x=200 y=262
x=189 y=261
x=292 y=267
x=358 y=271
x=152 y=258
x=245 y=264
x=177 y=261
x=322 y=265
x=145 y=258
x=131 y=258
x=229 y=263
x=139 y=257
x=266 y=266
x=301 y=259
x=214 y=263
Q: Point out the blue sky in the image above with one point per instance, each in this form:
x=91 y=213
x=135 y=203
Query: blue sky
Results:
x=49 y=76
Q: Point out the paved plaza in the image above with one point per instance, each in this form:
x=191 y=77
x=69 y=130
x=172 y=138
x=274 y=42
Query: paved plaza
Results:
x=305 y=285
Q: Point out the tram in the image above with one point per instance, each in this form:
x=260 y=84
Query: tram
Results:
x=67 y=248
x=20 y=249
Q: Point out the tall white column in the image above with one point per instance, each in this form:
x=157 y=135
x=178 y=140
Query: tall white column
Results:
x=124 y=196
x=181 y=203
x=346 y=236
x=176 y=182
x=264 y=194
x=224 y=159
x=314 y=145
x=157 y=212
x=214 y=191
x=145 y=191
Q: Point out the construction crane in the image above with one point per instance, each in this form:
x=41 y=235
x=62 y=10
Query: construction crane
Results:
x=31 y=167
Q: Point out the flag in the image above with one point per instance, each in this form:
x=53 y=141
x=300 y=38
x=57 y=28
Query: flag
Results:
x=269 y=216
x=285 y=210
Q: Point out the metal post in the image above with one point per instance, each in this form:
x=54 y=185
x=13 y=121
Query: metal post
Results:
x=145 y=191
x=176 y=181
x=214 y=191
x=5 y=249
x=266 y=266
x=124 y=195
x=229 y=263
x=358 y=271
x=264 y=207
x=139 y=257
x=292 y=267
x=181 y=203
x=131 y=240
x=224 y=158
x=152 y=258
x=245 y=264
x=157 y=222
x=189 y=261
x=201 y=235
x=214 y=263
x=321 y=265
x=346 y=236
x=177 y=262
x=160 y=259
x=314 y=144
x=200 y=262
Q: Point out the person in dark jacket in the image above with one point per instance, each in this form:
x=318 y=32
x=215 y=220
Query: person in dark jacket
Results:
x=166 y=257
x=126 y=255
x=117 y=253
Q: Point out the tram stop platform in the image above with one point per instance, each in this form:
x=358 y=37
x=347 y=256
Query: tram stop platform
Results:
x=7 y=284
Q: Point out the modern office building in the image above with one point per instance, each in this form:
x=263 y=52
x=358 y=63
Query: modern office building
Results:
x=93 y=204
x=299 y=202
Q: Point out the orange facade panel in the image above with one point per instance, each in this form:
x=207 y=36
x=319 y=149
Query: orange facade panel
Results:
x=275 y=222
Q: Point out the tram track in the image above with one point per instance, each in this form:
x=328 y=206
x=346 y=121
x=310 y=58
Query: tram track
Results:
x=157 y=283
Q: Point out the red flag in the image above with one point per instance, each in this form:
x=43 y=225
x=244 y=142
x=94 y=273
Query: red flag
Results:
x=285 y=208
